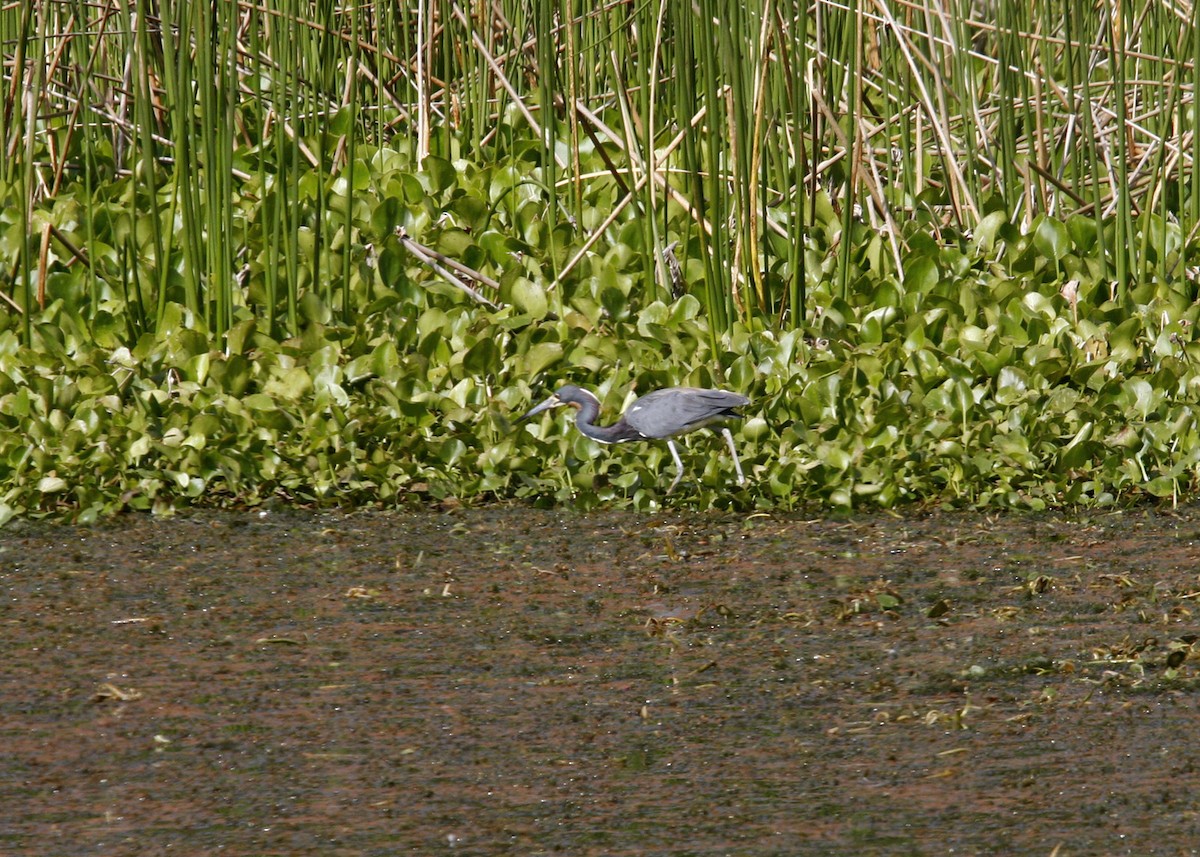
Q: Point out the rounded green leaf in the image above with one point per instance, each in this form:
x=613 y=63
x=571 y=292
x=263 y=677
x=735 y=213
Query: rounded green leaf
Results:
x=529 y=297
x=482 y=358
x=540 y=356
x=1051 y=238
x=441 y=173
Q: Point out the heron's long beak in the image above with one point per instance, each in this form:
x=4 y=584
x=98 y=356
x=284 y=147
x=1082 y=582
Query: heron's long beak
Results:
x=552 y=402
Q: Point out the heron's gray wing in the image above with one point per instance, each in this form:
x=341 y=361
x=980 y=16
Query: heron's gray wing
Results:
x=675 y=410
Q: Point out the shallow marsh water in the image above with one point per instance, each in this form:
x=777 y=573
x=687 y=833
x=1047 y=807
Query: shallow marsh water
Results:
x=517 y=681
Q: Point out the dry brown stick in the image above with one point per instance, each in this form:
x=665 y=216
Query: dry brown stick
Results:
x=429 y=257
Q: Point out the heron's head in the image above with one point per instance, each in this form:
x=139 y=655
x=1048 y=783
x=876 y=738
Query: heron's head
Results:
x=568 y=394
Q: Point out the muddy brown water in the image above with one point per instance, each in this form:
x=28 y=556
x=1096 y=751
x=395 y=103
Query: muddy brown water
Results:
x=516 y=681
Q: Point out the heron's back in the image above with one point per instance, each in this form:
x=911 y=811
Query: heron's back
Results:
x=677 y=410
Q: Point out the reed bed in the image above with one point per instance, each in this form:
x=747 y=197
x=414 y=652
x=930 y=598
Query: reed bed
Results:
x=208 y=154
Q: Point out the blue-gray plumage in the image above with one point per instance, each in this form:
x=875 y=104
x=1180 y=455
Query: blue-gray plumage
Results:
x=658 y=415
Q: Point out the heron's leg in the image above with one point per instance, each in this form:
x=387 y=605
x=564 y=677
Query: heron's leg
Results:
x=678 y=464
x=733 y=452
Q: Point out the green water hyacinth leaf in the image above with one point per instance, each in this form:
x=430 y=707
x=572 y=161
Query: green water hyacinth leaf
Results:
x=652 y=321
x=1123 y=340
x=986 y=231
x=455 y=243
x=756 y=429
x=411 y=190
x=196 y=369
x=482 y=358
x=1162 y=486
x=388 y=213
x=51 y=485
x=921 y=274
x=1080 y=449
x=441 y=174
x=530 y=298
x=541 y=356
x=876 y=321
x=289 y=384
x=500 y=248
x=1039 y=304
x=1051 y=238
x=1083 y=232
x=471 y=212
x=1145 y=398
x=236 y=337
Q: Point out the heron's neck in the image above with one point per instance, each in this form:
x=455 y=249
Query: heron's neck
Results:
x=615 y=433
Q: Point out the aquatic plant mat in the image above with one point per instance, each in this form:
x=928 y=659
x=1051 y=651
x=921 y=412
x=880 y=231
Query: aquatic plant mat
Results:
x=518 y=681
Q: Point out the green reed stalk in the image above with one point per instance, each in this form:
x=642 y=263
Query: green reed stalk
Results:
x=83 y=58
x=898 y=84
x=267 y=257
x=474 y=74
x=287 y=40
x=1123 y=230
x=687 y=92
x=961 y=87
x=796 y=32
x=1194 y=123
x=1028 y=109
x=17 y=30
x=852 y=56
x=714 y=200
x=146 y=170
x=317 y=57
x=178 y=76
x=25 y=112
x=1091 y=144
x=1009 y=49
x=350 y=165
x=216 y=105
x=547 y=88
x=1073 y=65
x=1156 y=50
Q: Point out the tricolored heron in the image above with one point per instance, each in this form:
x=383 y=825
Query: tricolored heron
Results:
x=661 y=414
